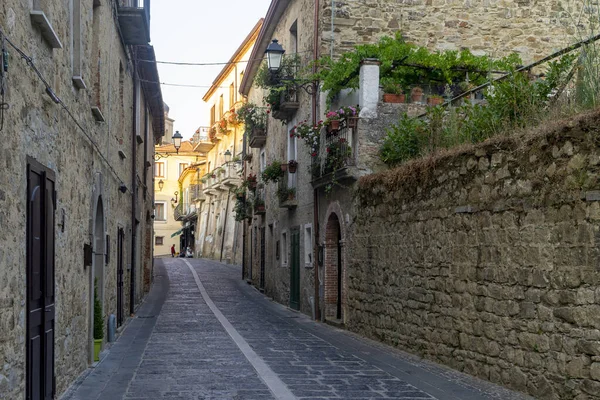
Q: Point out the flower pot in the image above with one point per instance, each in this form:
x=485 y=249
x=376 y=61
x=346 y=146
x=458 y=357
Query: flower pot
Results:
x=416 y=95
x=97 y=348
x=434 y=101
x=292 y=168
x=333 y=125
x=253 y=184
x=393 y=98
x=284 y=167
x=353 y=121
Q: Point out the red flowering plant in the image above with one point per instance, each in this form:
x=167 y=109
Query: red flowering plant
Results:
x=232 y=117
x=223 y=126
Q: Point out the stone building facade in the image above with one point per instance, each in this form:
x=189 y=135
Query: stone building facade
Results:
x=486 y=260
x=218 y=235
x=315 y=28
x=171 y=203
x=76 y=194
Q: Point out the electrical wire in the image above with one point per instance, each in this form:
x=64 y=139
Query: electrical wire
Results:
x=58 y=100
x=208 y=64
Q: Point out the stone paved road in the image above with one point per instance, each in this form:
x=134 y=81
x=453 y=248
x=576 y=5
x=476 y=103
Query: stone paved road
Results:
x=205 y=334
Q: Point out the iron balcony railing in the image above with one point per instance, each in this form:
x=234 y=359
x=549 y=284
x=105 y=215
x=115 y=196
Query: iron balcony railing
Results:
x=336 y=151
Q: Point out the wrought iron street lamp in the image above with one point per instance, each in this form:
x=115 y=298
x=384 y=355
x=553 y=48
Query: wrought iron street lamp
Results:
x=177 y=141
x=274 y=54
x=161 y=184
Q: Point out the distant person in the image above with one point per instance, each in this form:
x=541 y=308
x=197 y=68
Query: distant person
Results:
x=173 y=251
x=188 y=252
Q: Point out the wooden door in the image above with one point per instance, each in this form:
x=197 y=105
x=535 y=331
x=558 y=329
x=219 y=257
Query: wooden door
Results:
x=120 y=262
x=41 y=205
x=295 y=269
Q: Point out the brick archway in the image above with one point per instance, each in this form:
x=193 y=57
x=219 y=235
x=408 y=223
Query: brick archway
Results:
x=334 y=271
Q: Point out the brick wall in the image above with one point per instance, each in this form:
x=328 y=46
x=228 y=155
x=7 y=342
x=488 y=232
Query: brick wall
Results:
x=487 y=260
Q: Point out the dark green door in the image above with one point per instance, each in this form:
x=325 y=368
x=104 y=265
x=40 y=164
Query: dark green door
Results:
x=295 y=270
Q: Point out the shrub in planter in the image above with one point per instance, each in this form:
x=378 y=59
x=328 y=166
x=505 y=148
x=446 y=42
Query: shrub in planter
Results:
x=98 y=323
x=272 y=172
x=435 y=100
x=285 y=194
x=392 y=92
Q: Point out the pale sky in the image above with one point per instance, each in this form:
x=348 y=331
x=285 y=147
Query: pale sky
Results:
x=197 y=31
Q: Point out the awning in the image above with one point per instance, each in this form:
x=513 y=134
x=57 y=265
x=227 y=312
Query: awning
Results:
x=179 y=232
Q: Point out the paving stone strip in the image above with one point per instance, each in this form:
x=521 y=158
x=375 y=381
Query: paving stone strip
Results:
x=210 y=336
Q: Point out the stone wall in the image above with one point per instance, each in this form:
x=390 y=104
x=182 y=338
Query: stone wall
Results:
x=278 y=220
x=486 y=259
x=88 y=166
x=497 y=28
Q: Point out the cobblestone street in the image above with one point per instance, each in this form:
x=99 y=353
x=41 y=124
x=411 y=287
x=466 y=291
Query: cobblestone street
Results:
x=205 y=334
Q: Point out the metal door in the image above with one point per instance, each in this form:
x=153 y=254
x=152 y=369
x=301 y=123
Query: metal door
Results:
x=262 y=258
x=41 y=205
x=120 y=242
x=295 y=269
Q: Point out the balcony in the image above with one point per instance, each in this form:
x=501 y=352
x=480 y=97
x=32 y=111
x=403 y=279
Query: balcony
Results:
x=286 y=191
x=135 y=24
x=288 y=105
x=197 y=193
x=178 y=213
x=336 y=161
x=258 y=137
x=231 y=176
x=209 y=186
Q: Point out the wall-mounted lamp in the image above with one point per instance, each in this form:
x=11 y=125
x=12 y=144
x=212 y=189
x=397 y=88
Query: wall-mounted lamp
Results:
x=122 y=188
x=177 y=141
x=161 y=185
x=274 y=53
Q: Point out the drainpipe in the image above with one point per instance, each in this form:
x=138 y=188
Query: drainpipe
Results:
x=133 y=187
x=245 y=222
x=315 y=191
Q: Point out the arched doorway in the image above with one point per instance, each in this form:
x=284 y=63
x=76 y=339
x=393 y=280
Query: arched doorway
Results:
x=97 y=270
x=334 y=275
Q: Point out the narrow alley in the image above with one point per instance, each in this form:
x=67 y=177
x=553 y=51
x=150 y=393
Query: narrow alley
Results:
x=203 y=333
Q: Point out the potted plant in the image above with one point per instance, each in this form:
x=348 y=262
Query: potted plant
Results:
x=392 y=92
x=292 y=166
x=332 y=121
x=251 y=179
x=248 y=157
x=259 y=206
x=434 y=100
x=286 y=194
x=350 y=114
x=272 y=172
x=98 y=323
x=212 y=134
x=223 y=126
x=416 y=95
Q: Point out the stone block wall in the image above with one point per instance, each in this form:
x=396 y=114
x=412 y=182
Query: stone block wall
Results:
x=486 y=259
x=87 y=166
x=496 y=28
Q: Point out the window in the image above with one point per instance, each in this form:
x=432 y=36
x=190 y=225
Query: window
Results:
x=231 y=96
x=284 y=253
x=77 y=48
x=159 y=240
x=182 y=167
x=221 y=105
x=160 y=212
x=159 y=170
x=263 y=160
x=213 y=117
x=308 y=247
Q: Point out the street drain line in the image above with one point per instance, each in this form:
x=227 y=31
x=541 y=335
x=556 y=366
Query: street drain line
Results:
x=271 y=379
